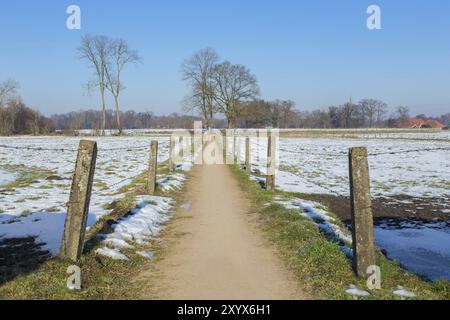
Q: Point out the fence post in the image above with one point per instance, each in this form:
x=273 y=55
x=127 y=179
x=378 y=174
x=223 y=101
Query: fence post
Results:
x=234 y=149
x=152 y=168
x=224 y=139
x=238 y=150
x=248 y=164
x=361 y=211
x=171 y=151
x=78 y=207
x=271 y=162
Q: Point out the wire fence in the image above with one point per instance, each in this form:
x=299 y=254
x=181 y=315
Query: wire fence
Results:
x=130 y=148
x=110 y=188
x=330 y=189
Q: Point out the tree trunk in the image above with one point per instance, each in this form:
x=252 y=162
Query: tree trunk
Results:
x=102 y=91
x=211 y=119
x=119 y=127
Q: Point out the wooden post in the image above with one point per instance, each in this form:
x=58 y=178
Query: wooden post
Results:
x=225 y=147
x=181 y=146
x=171 y=151
x=234 y=149
x=152 y=168
x=361 y=211
x=271 y=162
x=248 y=163
x=78 y=206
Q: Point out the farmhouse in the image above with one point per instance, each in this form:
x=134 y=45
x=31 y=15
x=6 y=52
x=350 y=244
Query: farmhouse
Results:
x=412 y=123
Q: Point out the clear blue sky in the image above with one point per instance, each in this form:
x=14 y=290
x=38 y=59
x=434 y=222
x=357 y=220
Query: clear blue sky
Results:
x=315 y=52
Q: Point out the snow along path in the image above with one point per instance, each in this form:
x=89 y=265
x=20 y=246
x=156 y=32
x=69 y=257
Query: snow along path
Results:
x=214 y=250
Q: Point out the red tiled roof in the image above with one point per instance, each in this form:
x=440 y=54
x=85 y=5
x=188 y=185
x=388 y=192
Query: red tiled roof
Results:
x=435 y=124
x=419 y=123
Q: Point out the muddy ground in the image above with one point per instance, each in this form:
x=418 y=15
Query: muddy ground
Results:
x=399 y=207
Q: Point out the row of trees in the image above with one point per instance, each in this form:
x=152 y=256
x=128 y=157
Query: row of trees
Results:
x=217 y=87
x=253 y=114
x=232 y=91
x=92 y=119
x=367 y=113
x=15 y=117
x=107 y=58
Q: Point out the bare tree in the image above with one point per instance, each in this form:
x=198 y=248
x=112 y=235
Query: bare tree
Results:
x=234 y=85
x=381 y=113
x=403 y=113
x=96 y=50
x=198 y=71
x=120 y=55
x=348 y=111
x=286 y=108
x=7 y=88
x=374 y=111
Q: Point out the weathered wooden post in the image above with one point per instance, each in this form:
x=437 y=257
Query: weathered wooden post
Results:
x=248 y=164
x=171 y=155
x=78 y=207
x=361 y=211
x=271 y=162
x=225 y=147
x=234 y=148
x=152 y=168
x=180 y=145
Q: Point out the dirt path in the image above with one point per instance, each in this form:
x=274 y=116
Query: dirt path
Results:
x=216 y=251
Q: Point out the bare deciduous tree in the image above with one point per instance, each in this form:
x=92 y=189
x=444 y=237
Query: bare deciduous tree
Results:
x=403 y=113
x=7 y=88
x=286 y=107
x=348 y=111
x=374 y=110
x=119 y=55
x=234 y=85
x=96 y=50
x=198 y=71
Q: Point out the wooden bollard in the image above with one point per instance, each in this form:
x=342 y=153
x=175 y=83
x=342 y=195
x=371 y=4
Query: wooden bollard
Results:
x=271 y=163
x=152 y=168
x=361 y=211
x=248 y=163
x=78 y=207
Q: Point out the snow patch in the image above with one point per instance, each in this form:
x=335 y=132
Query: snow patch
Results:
x=148 y=255
x=112 y=253
x=400 y=291
x=353 y=290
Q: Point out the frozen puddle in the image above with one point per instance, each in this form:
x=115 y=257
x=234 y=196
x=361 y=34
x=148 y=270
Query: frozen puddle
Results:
x=422 y=248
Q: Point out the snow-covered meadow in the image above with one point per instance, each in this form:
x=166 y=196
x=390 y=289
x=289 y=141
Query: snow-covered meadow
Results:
x=36 y=175
x=320 y=166
x=401 y=168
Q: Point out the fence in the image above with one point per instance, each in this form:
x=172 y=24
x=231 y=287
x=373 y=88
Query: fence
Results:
x=72 y=243
x=359 y=182
x=360 y=195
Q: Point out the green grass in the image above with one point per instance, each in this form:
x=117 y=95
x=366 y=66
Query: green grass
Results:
x=27 y=176
x=320 y=266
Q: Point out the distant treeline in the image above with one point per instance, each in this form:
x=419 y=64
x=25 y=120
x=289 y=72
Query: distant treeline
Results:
x=92 y=119
x=256 y=114
x=368 y=113
x=18 y=119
